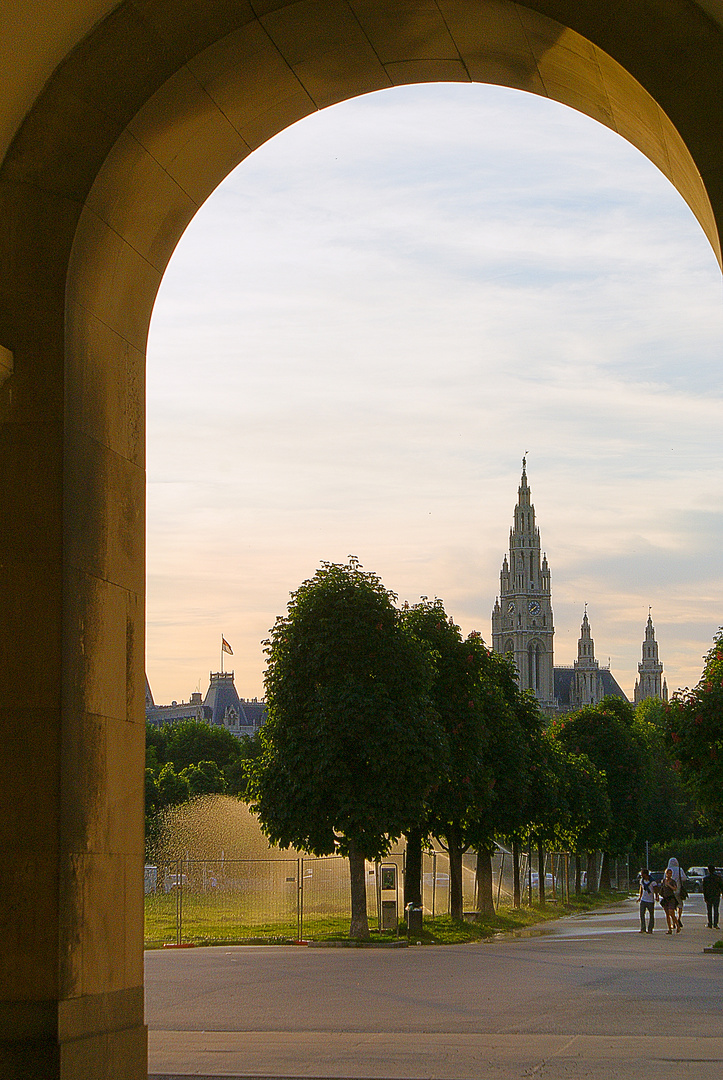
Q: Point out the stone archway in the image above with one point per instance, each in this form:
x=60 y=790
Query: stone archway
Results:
x=135 y=129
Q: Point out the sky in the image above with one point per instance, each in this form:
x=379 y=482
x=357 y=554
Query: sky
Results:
x=370 y=322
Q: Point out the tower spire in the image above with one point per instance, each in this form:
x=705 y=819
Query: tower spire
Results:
x=650 y=670
x=586 y=686
x=522 y=621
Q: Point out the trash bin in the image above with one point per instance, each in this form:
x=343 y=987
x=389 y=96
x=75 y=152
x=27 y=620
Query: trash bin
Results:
x=414 y=919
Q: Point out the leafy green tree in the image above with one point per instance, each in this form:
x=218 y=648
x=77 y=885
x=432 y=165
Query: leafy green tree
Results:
x=514 y=723
x=191 y=741
x=172 y=787
x=549 y=809
x=156 y=744
x=606 y=733
x=205 y=778
x=589 y=817
x=569 y=804
x=694 y=735
x=465 y=781
x=488 y=723
x=351 y=747
x=236 y=773
x=664 y=786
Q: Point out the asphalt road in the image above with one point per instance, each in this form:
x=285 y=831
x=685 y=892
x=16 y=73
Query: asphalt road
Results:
x=590 y=997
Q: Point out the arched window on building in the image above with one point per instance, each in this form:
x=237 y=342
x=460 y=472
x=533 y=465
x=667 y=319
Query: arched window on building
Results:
x=535 y=652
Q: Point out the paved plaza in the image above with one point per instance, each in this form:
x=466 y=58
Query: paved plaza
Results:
x=589 y=997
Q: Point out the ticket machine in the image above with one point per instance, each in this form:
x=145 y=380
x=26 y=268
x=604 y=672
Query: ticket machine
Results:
x=388 y=897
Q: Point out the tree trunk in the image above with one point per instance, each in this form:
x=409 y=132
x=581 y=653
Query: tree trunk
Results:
x=483 y=882
x=605 y=885
x=359 y=929
x=516 y=891
x=413 y=869
x=541 y=872
x=578 y=874
x=591 y=872
x=454 y=845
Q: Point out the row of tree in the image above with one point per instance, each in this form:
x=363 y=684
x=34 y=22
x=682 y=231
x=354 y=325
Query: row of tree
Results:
x=387 y=721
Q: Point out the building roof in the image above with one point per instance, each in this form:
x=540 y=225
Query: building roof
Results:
x=564 y=677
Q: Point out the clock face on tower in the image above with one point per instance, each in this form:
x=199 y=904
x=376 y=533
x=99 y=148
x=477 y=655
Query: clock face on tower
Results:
x=510 y=607
x=535 y=607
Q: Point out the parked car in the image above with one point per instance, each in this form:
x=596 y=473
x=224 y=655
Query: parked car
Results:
x=536 y=880
x=695 y=878
x=696 y=875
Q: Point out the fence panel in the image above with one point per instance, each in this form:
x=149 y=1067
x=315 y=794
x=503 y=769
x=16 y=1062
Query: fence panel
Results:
x=208 y=901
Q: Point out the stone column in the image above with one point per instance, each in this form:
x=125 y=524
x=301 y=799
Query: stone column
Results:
x=72 y=494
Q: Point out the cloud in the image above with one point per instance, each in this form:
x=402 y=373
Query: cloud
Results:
x=371 y=320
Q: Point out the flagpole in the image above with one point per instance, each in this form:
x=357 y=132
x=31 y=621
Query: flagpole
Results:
x=222 y=654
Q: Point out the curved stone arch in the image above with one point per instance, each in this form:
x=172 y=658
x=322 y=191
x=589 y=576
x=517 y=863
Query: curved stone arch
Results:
x=133 y=132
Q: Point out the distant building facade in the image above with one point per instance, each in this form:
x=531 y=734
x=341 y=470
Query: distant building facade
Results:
x=523 y=627
x=221 y=707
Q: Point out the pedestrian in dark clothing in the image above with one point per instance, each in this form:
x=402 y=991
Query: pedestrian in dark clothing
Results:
x=712 y=889
x=646 y=897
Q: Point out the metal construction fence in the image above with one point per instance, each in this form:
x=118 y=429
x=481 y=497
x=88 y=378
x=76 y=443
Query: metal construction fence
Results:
x=204 y=901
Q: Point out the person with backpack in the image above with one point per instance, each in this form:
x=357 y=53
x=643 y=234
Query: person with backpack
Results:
x=646 y=898
x=712 y=889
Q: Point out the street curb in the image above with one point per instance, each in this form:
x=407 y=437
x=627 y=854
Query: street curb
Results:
x=401 y=944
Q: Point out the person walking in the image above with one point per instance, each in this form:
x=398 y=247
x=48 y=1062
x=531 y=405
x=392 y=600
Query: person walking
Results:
x=646 y=899
x=680 y=878
x=669 y=901
x=712 y=889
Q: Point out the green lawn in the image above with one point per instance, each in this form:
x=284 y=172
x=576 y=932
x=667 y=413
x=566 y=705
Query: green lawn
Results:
x=219 y=918
x=222 y=918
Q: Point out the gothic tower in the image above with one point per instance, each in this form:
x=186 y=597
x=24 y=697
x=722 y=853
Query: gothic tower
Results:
x=522 y=618
x=587 y=688
x=650 y=669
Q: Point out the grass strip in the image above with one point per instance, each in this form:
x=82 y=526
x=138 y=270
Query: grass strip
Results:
x=209 y=920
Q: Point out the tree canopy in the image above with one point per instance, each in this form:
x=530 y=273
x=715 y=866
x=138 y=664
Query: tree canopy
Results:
x=488 y=725
x=694 y=735
x=607 y=735
x=351 y=748
x=189 y=758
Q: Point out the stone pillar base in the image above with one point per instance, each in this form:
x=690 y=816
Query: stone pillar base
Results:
x=98 y=1037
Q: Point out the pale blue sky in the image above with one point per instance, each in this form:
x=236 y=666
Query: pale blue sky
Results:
x=367 y=325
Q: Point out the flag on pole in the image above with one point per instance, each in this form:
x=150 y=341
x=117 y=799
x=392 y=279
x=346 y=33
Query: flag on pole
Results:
x=225 y=647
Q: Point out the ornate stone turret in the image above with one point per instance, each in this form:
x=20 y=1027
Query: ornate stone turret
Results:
x=522 y=623
x=650 y=670
x=587 y=686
